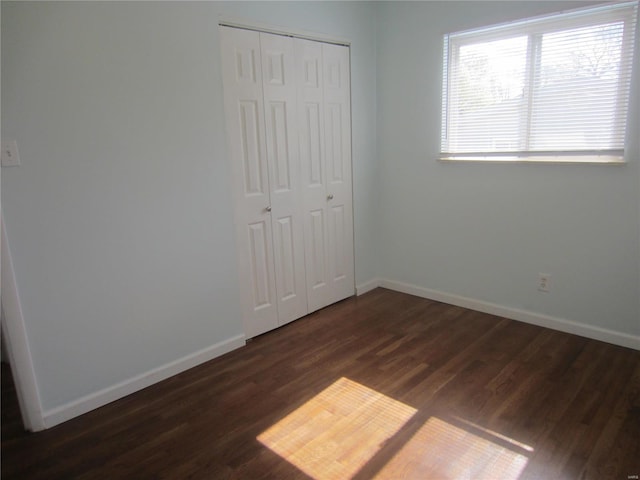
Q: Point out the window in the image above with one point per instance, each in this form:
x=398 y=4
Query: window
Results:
x=552 y=88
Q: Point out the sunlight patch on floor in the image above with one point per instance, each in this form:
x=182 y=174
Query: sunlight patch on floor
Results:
x=337 y=432
x=442 y=450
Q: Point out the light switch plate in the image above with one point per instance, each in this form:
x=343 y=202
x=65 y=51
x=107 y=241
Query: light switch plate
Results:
x=10 y=157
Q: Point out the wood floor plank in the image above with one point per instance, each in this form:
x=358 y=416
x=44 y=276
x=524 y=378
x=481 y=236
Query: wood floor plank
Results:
x=385 y=385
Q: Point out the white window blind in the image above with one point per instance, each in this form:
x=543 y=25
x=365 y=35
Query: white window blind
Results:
x=549 y=88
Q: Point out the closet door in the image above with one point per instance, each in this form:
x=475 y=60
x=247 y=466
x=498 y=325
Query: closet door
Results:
x=325 y=153
x=244 y=110
x=337 y=135
x=287 y=107
x=279 y=86
x=311 y=131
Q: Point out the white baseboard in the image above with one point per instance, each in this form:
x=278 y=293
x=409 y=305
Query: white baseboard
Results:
x=92 y=401
x=568 y=326
x=107 y=395
x=367 y=286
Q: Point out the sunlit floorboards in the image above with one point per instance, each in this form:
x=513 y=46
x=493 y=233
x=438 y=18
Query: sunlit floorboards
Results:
x=386 y=386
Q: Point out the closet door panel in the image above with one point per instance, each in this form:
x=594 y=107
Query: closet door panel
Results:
x=252 y=159
x=244 y=111
x=336 y=89
x=311 y=144
x=316 y=246
x=337 y=239
x=283 y=158
x=258 y=234
x=311 y=124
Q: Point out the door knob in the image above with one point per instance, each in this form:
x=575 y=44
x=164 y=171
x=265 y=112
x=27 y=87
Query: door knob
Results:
x=330 y=196
x=268 y=209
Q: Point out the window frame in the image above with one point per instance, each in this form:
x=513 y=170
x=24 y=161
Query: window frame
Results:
x=534 y=28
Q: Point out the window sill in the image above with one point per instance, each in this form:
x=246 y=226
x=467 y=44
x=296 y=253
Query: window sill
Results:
x=557 y=159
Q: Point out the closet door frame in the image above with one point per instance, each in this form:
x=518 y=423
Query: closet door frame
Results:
x=269 y=316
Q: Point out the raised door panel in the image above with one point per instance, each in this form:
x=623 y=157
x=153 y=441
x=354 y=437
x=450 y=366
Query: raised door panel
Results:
x=338 y=239
x=244 y=112
x=316 y=237
x=284 y=243
x=258 y=258
x=250 y=151
x=311 y=146
x=334 y=145
x=279 y=153
x=280 y=99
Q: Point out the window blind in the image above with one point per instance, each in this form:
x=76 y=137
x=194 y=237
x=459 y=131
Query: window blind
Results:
x=548 y=87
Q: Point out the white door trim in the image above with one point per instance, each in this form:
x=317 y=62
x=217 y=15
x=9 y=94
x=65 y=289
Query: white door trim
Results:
x=18 y=350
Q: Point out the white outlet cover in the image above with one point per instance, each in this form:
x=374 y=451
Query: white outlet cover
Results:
x=544 y=282
x=10 y=157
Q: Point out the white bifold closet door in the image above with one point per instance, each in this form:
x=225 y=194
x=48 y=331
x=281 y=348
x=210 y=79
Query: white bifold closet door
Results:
x=325 y=153
x=288 y=125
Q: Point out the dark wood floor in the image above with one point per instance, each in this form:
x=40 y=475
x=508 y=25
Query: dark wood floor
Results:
x=385 y=385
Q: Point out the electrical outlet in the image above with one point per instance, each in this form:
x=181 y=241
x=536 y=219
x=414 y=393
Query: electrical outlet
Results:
x=10 y=157
x=544 y=282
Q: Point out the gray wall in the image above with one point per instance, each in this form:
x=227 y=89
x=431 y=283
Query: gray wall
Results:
x=485 y=231
x=120 y=218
